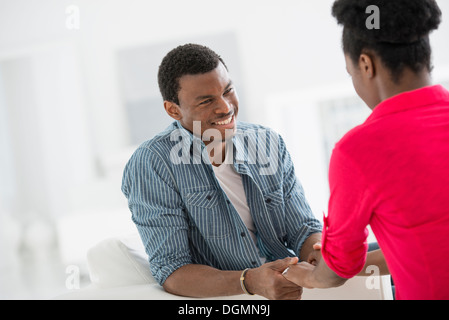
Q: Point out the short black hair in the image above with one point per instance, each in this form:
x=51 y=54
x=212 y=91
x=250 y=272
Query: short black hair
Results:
x=188 y=59
x=403 y=37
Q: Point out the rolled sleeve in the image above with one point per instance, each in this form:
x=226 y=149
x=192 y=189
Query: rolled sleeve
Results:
x=157 y=211
x=344 y=239
x=300 y=221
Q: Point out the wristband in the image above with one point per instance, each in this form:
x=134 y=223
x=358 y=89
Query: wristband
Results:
x=242 y=282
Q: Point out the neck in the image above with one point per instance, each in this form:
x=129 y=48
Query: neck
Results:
x=409 y=81
x=216 y=152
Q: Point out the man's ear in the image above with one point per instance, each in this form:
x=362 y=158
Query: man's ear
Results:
x=367 y=66
x=173 y=110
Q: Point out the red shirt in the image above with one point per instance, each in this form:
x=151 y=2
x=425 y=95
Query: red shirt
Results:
x=392 y=173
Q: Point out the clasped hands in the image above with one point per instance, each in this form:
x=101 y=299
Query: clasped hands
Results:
x=300 y=273
x=283 y=279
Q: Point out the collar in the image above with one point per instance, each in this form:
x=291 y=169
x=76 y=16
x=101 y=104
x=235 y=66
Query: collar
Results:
x=241 y=153
x=410 y=100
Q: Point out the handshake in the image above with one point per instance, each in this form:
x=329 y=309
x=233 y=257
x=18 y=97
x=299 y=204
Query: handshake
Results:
x=283 y=279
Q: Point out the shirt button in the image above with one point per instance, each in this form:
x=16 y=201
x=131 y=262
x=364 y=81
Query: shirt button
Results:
x=268 y=200
x=243 y=234
x=209 y=197
x=253 y=263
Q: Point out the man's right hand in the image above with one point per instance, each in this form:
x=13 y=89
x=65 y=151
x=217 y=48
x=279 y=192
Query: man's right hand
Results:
x=267 y=281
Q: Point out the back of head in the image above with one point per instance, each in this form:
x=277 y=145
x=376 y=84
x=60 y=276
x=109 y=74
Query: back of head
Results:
x=402 y=39
x=188 y=59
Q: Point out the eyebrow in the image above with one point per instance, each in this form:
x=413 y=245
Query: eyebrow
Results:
x=211 y=96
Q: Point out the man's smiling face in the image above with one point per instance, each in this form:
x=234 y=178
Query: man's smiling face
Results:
x=209 y=98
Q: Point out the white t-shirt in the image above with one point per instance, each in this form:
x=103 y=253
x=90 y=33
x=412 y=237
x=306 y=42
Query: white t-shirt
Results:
x=231 y=183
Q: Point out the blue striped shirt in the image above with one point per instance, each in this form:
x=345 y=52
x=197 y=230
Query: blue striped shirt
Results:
x=183 y=216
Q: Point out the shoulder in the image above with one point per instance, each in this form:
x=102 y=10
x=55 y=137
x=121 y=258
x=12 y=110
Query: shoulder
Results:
x=258 y=132
x=356 y=138
x=358 y=149
x=248 y=127
x=155 y=149
x=162 y=140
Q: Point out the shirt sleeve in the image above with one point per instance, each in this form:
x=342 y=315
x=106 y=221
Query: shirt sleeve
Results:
x=157 y=211
x=344 y=239
x=300 y=220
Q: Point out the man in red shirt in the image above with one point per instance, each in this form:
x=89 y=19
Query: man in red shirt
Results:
x=391 y=172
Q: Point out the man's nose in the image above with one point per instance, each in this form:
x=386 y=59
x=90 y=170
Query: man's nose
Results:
x=223 y=106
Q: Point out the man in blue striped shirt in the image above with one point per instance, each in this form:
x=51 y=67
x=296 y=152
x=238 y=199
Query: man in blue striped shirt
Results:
x=216 y=203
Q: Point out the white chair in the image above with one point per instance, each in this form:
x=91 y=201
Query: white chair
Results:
x=119 y=270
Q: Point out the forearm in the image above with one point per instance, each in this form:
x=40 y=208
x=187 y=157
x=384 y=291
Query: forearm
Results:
x=323 y=277
x=309 y=276
x=202 y=281
x=307 y=247
x=375 y=258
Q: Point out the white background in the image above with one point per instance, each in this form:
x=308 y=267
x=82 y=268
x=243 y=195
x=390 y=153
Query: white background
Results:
x=64 y=135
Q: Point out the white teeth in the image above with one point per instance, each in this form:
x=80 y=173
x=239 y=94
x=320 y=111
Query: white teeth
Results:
x=224 y=122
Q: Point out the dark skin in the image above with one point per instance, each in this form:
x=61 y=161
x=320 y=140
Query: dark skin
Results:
x=373 y=83
x=211 y=99
x=372 y=80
